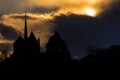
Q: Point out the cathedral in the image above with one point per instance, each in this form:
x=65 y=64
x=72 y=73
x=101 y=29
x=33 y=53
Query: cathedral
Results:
x=28 y=59
x=26 y=48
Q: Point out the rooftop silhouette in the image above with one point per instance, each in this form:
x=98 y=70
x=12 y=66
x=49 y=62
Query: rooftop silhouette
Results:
x=56 y=63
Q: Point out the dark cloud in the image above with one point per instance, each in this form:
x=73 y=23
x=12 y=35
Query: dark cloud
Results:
x=43 y=10
x=81 y=31
x=5 y=46
x=22 y=17
x=8 y=32
x=12 y=6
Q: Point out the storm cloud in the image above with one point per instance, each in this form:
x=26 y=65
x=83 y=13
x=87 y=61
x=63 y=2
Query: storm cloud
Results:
x=8 y=32
x=81 y=31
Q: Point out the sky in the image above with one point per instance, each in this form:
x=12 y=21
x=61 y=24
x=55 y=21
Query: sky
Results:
x=81 y=23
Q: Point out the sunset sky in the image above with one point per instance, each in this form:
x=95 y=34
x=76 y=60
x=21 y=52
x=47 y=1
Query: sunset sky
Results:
x=80 y=22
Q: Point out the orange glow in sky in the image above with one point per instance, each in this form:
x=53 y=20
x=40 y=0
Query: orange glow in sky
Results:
x=91 y=8
x=90 y=12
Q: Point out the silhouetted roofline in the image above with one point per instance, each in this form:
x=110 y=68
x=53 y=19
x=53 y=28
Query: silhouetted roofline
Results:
x=19 y=39
x=32 y=36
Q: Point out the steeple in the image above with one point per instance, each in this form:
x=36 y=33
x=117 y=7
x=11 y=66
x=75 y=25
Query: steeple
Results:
x=25 y=29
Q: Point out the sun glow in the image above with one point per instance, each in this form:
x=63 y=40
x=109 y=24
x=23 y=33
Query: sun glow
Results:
x=90 y=12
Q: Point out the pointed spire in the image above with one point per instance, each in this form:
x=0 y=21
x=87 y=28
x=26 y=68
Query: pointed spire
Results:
x=25 y=30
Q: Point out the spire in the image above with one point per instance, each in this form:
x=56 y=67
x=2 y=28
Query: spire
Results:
x=25 y=30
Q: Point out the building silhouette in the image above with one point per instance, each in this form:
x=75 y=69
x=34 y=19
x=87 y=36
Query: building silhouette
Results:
x=33 y=64
x=56 y=62
x=26 y=49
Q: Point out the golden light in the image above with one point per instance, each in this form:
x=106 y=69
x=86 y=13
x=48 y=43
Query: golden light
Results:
x=90 y=12
x=91 y=8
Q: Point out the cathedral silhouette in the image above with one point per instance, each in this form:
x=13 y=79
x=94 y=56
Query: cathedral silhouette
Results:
x=29 y=63
x=25 y=48
x=32 y=63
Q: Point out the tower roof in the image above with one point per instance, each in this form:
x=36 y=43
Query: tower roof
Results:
x=55 y=40
x=20 y=38
x=32 y=36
